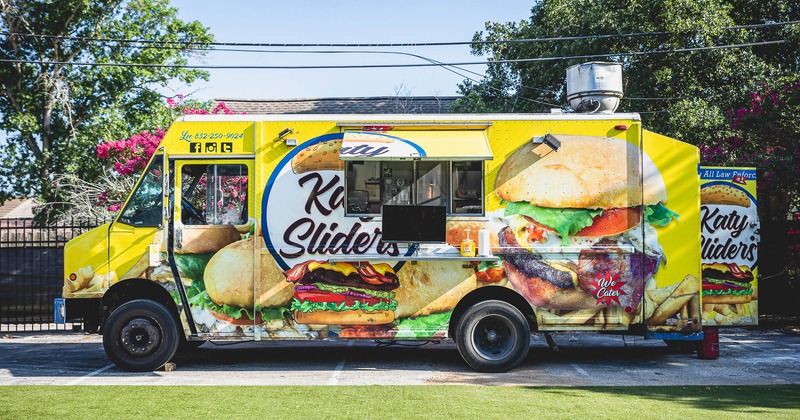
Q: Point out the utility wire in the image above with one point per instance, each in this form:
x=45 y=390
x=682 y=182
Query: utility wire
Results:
x=362 y=45
x=448 y=67
x=451 y=67
x=370 y=66
x=501 y=91
x=166 y=44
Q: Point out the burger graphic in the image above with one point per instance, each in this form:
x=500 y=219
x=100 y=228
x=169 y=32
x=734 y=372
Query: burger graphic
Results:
x=727 y=283
x=579 y=222
x=343 y=293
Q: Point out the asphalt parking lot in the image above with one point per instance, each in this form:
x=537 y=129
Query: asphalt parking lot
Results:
x=747 y=357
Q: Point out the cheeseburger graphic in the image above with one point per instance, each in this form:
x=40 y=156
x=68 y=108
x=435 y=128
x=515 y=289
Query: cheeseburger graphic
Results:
x=727 y=283
x=343 y=293
x=594 y=195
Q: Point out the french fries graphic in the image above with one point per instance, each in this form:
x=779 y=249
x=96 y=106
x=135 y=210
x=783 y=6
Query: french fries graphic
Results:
x=600 y=318
x=680 y=301
x=731 y=314
x=87 y=281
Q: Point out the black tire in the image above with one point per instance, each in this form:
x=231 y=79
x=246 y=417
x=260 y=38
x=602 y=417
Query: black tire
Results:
x=141 y=336
x=493 y=336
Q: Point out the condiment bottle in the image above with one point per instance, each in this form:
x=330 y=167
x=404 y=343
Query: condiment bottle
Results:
x=467 y=245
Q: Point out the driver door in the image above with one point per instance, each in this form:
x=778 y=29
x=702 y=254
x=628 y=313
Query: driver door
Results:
x=213 y=242
x=136 y=226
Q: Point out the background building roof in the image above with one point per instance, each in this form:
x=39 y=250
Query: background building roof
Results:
x=371 y=105
x=17 y=208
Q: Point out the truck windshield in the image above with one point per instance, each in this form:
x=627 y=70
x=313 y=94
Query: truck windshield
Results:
x=144 y=206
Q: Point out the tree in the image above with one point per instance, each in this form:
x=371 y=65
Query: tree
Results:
x=766 y=134
x=55 y=114
x=680 y=94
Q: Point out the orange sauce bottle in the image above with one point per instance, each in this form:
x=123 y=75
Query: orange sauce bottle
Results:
x=467 y=245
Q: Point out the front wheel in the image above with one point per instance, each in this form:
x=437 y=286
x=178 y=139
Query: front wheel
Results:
x=493 y=336
x=141 y=336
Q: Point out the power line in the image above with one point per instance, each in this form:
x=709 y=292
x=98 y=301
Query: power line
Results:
x=446 y=66
x=363 y=45
x=371 y=66
x=450 y=69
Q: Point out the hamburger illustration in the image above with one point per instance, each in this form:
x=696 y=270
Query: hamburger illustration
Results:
x=428 y=292
x=343 y=293
x=721 y=194
x=727 y=283
x=319 y=157
x=226 y=287
x=594 y=194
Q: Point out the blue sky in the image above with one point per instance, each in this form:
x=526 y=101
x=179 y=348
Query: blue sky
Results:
x=340 y=22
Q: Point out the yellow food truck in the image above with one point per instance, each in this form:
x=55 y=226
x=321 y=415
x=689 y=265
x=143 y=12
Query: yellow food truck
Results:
x=478 y=228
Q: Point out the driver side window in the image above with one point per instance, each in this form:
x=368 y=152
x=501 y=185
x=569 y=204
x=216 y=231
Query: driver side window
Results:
x=144 y=207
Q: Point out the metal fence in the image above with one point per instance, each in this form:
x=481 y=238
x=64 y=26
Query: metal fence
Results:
x=31 y=271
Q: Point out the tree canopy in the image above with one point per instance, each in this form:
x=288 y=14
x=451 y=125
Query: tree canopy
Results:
x=766 y=133
x=686 y=63
x=679 y=93
x=59 y=97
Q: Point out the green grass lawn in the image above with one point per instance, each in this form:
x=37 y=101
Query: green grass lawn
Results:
x=386 y=402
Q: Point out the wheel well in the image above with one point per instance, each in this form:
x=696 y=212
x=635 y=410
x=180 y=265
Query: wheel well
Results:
x=492 y=293
x=132 y=289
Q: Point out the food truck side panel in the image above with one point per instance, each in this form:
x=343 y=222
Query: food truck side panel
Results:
x=296 y=202
x=663 y=171
x=730 y=227
x=295 y=240
x=672 y=302
x=601 y=298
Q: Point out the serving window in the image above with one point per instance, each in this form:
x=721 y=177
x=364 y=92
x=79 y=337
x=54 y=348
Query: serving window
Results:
x=372 y=183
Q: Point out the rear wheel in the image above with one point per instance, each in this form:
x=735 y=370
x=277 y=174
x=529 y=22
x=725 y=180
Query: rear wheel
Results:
x=493 y=336
x=141 y=336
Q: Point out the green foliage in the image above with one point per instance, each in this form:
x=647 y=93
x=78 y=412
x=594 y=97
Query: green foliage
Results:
x=679 y=94
x=765 y=134
x=55 y=114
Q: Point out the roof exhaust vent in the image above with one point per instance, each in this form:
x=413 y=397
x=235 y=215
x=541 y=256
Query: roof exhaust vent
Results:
x=594 y=87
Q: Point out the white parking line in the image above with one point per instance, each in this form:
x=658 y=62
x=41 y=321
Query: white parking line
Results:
x=90 y=374
x=337 y=371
